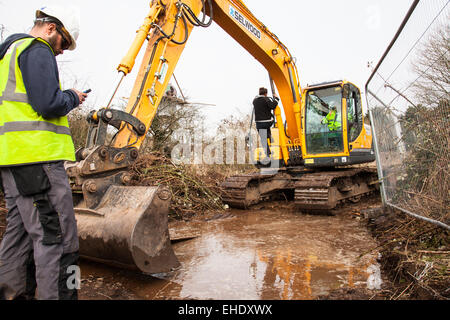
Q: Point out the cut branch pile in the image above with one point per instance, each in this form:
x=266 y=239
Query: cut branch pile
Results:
x=415 y=256
x=192 y=194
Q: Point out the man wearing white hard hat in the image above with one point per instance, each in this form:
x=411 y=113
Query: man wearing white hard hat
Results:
x=40 y=245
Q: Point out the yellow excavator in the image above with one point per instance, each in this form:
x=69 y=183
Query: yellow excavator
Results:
x=128 y=225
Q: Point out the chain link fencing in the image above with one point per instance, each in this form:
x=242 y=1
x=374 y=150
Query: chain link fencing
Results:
x=408 y=99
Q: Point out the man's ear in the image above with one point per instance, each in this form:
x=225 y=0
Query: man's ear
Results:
x=51 y=27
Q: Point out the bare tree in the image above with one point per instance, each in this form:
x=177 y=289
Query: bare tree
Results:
x=79 y=127
x=432 y=67
x=172 y=114
x=426 y=132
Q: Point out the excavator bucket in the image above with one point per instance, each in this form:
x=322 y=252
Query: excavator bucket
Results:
x=128 y=228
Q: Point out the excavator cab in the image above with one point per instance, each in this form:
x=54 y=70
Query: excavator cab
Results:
x=334 y=129
x=324 y=134
x=333 y=133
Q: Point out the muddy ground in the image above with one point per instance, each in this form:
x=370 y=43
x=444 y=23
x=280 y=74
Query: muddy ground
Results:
x=412 y=265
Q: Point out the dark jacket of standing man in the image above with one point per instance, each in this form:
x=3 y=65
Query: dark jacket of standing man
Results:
x=264 y=106
x=40 y=245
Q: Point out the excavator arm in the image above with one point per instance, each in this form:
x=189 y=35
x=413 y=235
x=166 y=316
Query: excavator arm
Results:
x=126 y=225
x=168 y=27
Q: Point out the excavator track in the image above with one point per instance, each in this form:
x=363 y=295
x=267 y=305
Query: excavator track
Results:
x=313 y=190
x=241 y=191
x=325 y=190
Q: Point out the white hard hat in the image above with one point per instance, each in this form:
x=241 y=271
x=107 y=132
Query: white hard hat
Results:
x=69 y=18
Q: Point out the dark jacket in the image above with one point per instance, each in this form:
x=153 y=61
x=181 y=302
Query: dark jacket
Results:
x=263 y=107
x=41 y=78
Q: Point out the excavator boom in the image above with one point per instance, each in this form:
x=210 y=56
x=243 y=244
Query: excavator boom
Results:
x=163 y=53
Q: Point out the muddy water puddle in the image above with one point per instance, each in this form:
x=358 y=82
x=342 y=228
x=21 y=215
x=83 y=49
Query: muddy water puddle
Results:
x=261 y=254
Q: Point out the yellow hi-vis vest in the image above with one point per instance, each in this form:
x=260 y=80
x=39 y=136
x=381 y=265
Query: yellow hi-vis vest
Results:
x=25 y=136
x=333 y=123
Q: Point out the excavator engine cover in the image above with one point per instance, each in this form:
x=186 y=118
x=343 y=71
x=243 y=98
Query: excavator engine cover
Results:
x=128 y=228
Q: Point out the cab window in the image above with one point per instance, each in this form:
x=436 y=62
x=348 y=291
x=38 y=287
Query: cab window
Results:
x=324 y=121
x=354 y=112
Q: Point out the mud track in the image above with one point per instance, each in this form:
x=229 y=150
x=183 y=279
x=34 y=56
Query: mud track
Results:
x=269 y=252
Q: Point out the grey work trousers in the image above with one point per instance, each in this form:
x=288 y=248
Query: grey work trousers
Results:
x=25 y=261
x=263 y=128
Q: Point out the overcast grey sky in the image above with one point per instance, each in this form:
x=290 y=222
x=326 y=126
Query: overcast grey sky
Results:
x=330 y=39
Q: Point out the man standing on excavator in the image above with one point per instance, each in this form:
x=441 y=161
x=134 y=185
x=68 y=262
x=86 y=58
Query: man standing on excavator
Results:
x=264 y=106
x=40 y=242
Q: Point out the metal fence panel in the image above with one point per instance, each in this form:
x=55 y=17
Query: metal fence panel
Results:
x=408 y=99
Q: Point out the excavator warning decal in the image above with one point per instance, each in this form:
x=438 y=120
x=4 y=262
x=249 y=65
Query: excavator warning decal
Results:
x=244 y=22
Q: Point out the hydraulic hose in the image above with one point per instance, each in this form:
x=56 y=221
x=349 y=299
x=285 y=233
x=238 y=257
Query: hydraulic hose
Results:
x=186 y=13
x=155 y=45
x=195 y=21
x=166 y=36
x=174 y=29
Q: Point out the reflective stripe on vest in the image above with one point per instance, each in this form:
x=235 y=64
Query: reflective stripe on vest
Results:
x=25 y=136
x=17 y=126
x=10 y=90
